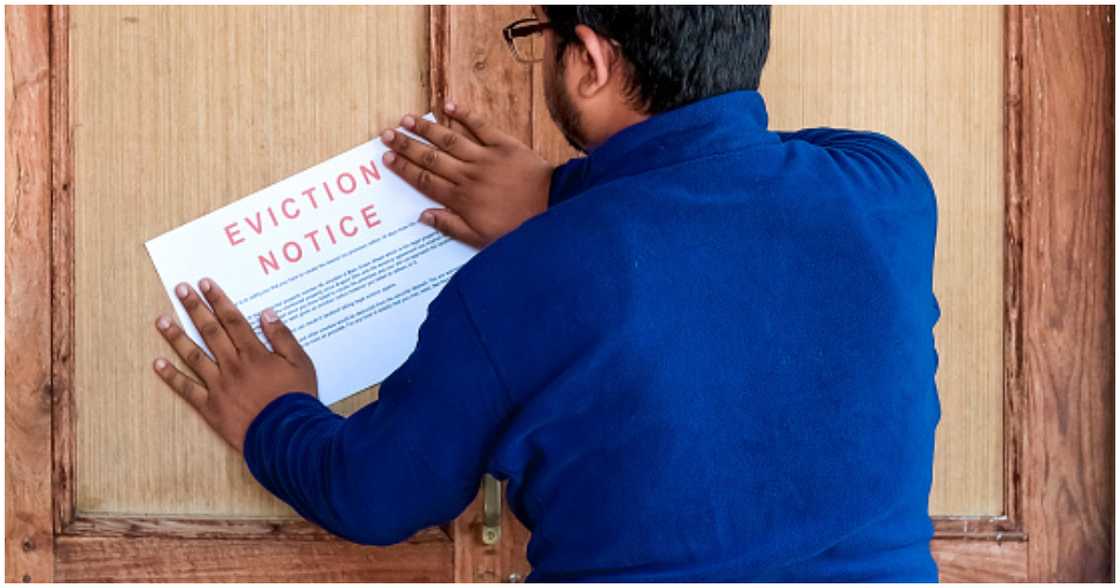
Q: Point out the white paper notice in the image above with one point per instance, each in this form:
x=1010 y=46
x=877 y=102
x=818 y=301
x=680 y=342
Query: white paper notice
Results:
x=337 y=251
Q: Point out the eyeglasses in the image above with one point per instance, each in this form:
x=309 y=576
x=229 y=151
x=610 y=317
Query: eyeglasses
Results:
x=525 y=40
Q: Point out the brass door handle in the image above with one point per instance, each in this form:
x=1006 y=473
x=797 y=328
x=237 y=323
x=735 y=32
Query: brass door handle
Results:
x=491 y=509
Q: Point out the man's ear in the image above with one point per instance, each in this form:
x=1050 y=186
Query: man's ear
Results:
x=595 y=58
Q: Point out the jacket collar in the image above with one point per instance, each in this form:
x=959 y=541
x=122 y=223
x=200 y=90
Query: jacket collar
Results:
x=719 y=124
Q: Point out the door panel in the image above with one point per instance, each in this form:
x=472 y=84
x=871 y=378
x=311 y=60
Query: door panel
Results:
x=161 y=114
x=177 y=111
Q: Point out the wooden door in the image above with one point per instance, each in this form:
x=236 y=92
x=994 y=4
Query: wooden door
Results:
x=111 y=109
x=148 y=117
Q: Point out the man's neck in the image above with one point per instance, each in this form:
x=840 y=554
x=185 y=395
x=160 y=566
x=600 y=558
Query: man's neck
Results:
x=611 y=125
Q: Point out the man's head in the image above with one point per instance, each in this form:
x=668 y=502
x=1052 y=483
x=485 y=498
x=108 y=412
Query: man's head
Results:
x=608 y=67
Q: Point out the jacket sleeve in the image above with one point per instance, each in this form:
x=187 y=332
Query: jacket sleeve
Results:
x=412 y=459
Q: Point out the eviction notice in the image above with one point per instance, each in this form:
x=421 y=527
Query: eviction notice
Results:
x=336 y=251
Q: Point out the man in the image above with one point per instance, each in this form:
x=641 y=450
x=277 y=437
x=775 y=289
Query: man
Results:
x=702 y=352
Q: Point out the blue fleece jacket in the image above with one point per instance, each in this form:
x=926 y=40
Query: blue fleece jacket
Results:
x=711 y=359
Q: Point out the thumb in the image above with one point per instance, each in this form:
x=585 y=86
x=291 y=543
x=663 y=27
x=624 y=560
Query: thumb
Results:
x=453 y=226
x=283 y=342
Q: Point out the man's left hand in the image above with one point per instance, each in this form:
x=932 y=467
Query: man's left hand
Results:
x=488 y=181
x=244 y=375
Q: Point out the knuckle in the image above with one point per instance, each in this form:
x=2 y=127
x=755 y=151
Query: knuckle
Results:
x=180 y=383
x=234 y=320
x=194 y=357
x=424 y=180
x=450 y=140
x=190 y=303
x=179 y=339
x=209 y=329
x=430 y=157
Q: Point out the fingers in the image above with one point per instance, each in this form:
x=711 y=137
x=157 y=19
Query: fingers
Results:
x=231 y=319
x=486 y=132
x=194 y=393
x=192 y=354
x=430 y=184
x=284 y=343
x=208 y=326
x=425 y=156
x=445 y=139
x=452 y=225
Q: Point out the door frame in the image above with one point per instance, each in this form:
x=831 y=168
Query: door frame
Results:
x=1058 y=332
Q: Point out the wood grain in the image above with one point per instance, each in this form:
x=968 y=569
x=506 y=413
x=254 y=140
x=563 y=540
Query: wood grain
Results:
x=478 y=69
x=215 y=528
x=28 y=546
x=475 y=561
x=1014 y=390
x=472 y=66
x=177 y=111
x=1009 y=525
x=980 y=561
x=62 y=273
x=154 y=559
x=1068 y=195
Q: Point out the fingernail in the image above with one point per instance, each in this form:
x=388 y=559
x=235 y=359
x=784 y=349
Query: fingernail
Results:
x=269 y=315
x=161 y=363
x=182 y=290
x=427 y=218
x=408 y=122
x=387 y=137
x=390 y=157
x=449 y=107
x=205 y=284
x=164 y=323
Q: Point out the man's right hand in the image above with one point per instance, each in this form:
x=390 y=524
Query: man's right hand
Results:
x=488 y=181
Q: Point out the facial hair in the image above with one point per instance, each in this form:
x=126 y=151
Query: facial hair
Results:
x=561 y=109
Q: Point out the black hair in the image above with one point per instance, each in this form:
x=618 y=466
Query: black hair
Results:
x=674 y=55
